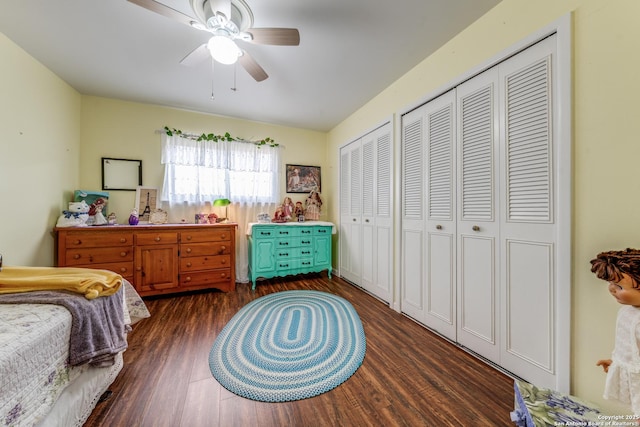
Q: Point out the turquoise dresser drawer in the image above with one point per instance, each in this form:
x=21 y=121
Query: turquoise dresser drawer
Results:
x=284 y=266
x=293 y=253
x=287 y=232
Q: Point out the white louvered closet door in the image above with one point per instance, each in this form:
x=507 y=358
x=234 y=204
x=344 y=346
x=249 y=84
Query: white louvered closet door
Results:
x=413 y=268
x=351 y=211
x=478 y=220
x=368 y=213
x=383 y=181
x=529 y=225
x=366 y=216
x=440 y=297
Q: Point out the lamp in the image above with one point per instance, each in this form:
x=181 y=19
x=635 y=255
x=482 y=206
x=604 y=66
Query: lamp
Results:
x=225 y=203
x=223 y=49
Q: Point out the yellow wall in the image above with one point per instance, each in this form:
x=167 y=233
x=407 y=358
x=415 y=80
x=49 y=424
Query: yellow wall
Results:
x=112 y=128
x=606 y=199
x=39 y=154
x=44 y=122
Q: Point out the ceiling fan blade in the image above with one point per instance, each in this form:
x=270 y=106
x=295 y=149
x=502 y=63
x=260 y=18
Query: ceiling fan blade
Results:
x=275 y=36
x=253 y=68
x=164 y=10
x=221 y=6
x=196 y=56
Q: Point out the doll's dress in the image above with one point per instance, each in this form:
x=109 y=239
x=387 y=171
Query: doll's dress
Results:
x=623 y=378
x=313 y=211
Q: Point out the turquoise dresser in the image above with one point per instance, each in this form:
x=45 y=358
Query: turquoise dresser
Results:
x=282 y=249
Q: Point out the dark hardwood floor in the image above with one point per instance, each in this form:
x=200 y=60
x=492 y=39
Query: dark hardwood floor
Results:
x=409 y=377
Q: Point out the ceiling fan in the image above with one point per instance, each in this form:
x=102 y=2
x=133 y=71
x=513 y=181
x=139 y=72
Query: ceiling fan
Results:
x=227 y=21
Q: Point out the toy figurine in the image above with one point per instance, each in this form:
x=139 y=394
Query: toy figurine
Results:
x=133 y=218
x=298 y=211
x=313 y=206
x=621 y=269
x=278 y=216
x=112 y=219
x=76 y=216
x=287 y=208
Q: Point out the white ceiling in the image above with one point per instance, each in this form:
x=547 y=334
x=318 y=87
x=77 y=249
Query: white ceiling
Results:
x=350 y=50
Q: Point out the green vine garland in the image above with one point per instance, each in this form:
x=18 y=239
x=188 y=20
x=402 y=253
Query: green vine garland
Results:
x=215 y=138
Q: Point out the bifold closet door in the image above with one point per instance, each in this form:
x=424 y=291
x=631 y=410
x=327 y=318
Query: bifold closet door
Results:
x=377 y=220
x=529 y=221
x=478 y=220
x=351 y=211
x=428 y=221
x=440 y=132
x=413 y=264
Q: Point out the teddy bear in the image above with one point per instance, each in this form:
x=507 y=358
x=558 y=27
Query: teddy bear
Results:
x=76 y=216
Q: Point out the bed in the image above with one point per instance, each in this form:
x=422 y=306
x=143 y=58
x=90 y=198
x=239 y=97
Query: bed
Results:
x=40 y=385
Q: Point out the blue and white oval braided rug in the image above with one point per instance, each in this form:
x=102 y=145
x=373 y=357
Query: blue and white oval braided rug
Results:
x=289 y=345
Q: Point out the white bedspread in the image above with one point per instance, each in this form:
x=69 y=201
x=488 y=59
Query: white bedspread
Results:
x=34 y=353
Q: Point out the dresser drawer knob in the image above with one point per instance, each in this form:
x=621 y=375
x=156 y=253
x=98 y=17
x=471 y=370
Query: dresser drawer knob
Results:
x=157 y=239
x=223 y=248
x=123 y=240
x=187 y=279
x=224 y=261
x=223 y=237
x=188 y=264
x=77 y=242
x=123 y=270
x=189 y=237
x=223 y=275
x=76 y=256
x=123 y=254
x=188 y=250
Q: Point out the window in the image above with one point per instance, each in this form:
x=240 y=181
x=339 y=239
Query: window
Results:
x=202 y=171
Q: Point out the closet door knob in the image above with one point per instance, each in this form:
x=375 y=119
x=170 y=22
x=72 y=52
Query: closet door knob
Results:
x=475 y=228
x=438 y=227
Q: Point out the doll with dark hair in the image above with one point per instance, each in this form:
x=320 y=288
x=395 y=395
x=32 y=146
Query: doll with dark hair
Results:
x=621 y=269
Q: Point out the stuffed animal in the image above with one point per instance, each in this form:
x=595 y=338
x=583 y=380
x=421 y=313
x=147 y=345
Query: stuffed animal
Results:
x=76 y=216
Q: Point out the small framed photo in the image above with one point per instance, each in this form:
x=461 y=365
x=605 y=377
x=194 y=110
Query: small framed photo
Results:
x=303 y=179
x=146 y=202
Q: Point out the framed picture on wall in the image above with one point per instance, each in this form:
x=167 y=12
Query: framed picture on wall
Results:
x=303 y=179
x=146 y=202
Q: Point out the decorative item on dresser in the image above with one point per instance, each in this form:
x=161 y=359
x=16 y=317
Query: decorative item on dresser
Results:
x=281 y=249
x=156 y=259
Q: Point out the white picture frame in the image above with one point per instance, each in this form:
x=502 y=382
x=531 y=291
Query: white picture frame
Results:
x=146 y=202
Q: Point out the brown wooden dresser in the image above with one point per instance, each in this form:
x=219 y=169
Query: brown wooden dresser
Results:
x=156 y=259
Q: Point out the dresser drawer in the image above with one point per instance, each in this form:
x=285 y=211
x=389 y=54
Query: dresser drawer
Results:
x=204 y=262
x=94 y=240
x=204 y=278
x=95 y=256
x=293 y=253
x=195 y=236
x=322 y=231
x=294 y=242
x=294 y=264
x=125 y=269
x=284 y=231
x=156 y=238
x=263 y=232
x=198 y=249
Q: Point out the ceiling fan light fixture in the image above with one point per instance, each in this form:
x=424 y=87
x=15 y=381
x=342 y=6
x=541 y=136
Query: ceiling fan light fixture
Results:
x=224 y=50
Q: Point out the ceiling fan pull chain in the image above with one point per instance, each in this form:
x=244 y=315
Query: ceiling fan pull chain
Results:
x=213 y=95
x=235 y=70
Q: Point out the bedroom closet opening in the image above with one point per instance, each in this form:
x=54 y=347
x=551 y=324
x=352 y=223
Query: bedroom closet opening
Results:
x=366 y=212
x=484 y=188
